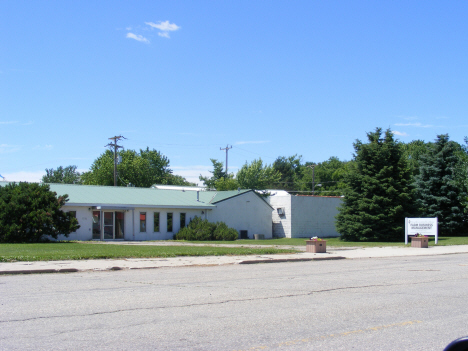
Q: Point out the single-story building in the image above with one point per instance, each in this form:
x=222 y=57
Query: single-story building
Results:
x=303 y=216
x=130 y=213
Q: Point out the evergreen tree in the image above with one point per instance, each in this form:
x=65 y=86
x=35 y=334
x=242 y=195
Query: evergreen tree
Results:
x=440 y=192
x=28 y=211
x=379 y=194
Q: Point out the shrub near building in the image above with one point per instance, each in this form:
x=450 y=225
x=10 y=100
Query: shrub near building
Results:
x=202 y=230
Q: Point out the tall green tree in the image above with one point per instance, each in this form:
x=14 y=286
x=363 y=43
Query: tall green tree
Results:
x=440 y=192
x=67 y=175
x=228 y=183
x=217 y=173
x=290 y=171
x=141 y=169
x=326 y=178
x=257 y=176
x=413 y=151
x=379 y=194
x=29 y=211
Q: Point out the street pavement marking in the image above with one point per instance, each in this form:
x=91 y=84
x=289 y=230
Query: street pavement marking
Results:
x=307 y=340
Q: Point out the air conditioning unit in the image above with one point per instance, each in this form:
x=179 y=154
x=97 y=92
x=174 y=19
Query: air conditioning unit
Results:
x=280 y=211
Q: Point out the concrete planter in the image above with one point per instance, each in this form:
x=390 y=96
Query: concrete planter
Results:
x=419 y=242
x=316 y=246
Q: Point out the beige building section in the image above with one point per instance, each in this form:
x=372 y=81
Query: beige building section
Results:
x=297 y=216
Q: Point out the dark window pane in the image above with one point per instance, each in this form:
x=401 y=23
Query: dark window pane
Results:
x=142 y=222
x=96 y=225
x=169 y=222
x=182 y=220
x=156 y=222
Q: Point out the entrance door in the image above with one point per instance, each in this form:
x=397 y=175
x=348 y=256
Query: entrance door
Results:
x=108 y=225
x=97 y=225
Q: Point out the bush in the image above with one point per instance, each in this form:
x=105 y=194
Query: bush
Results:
x=223 y=232
x=201 y=230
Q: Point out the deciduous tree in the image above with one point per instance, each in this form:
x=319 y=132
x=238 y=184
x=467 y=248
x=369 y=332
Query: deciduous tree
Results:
x=257 y=176
x=67 y=175
x=217 y=173
x=141 y=169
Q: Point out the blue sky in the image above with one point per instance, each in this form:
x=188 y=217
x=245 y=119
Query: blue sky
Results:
x=271 y=78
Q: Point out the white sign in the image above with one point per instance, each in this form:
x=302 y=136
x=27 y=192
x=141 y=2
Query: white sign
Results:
x=423 y=226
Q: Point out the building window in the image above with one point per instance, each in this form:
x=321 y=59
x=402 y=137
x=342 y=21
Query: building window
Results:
x=182 y=220
x=169 y=222
x=156 y=222
x=142 y=222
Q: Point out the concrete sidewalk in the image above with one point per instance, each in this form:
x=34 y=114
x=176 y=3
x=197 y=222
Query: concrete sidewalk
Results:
x=148 y=263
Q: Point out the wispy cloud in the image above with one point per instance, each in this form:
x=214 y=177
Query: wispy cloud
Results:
x=396 y=132
x=252 y=142
x=414 y=125
x=6 y=149
x=164 y=27
x=137 y=37
x=8 y=122
x=43 y=147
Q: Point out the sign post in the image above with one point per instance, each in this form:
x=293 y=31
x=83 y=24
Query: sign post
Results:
x=423 y=226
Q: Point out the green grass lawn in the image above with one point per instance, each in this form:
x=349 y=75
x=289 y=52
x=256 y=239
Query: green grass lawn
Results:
x=335 y=242
x=84 y=251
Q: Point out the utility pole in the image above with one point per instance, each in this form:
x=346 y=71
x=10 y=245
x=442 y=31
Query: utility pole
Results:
x=313 y=178
x=116 y=147
x=227 y=149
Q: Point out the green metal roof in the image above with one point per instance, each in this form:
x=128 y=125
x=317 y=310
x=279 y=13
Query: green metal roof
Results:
x=223 y=195
x=95 y=195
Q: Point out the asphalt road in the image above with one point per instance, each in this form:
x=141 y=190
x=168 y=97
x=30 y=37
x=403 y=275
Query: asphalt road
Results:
x=402 y=303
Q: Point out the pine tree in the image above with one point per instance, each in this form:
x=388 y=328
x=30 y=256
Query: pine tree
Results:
x=29 y=211
x=379 y=195
x=440 y=191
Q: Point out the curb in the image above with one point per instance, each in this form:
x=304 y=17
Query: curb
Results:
x=293 y=260
x=116 y=268
x=39 y=271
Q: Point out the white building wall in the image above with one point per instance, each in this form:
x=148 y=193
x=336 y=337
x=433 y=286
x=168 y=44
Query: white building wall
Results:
x=85 y=220
x=314 y=216
x=281 y=223
x=304 y=216
x=244 y=212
